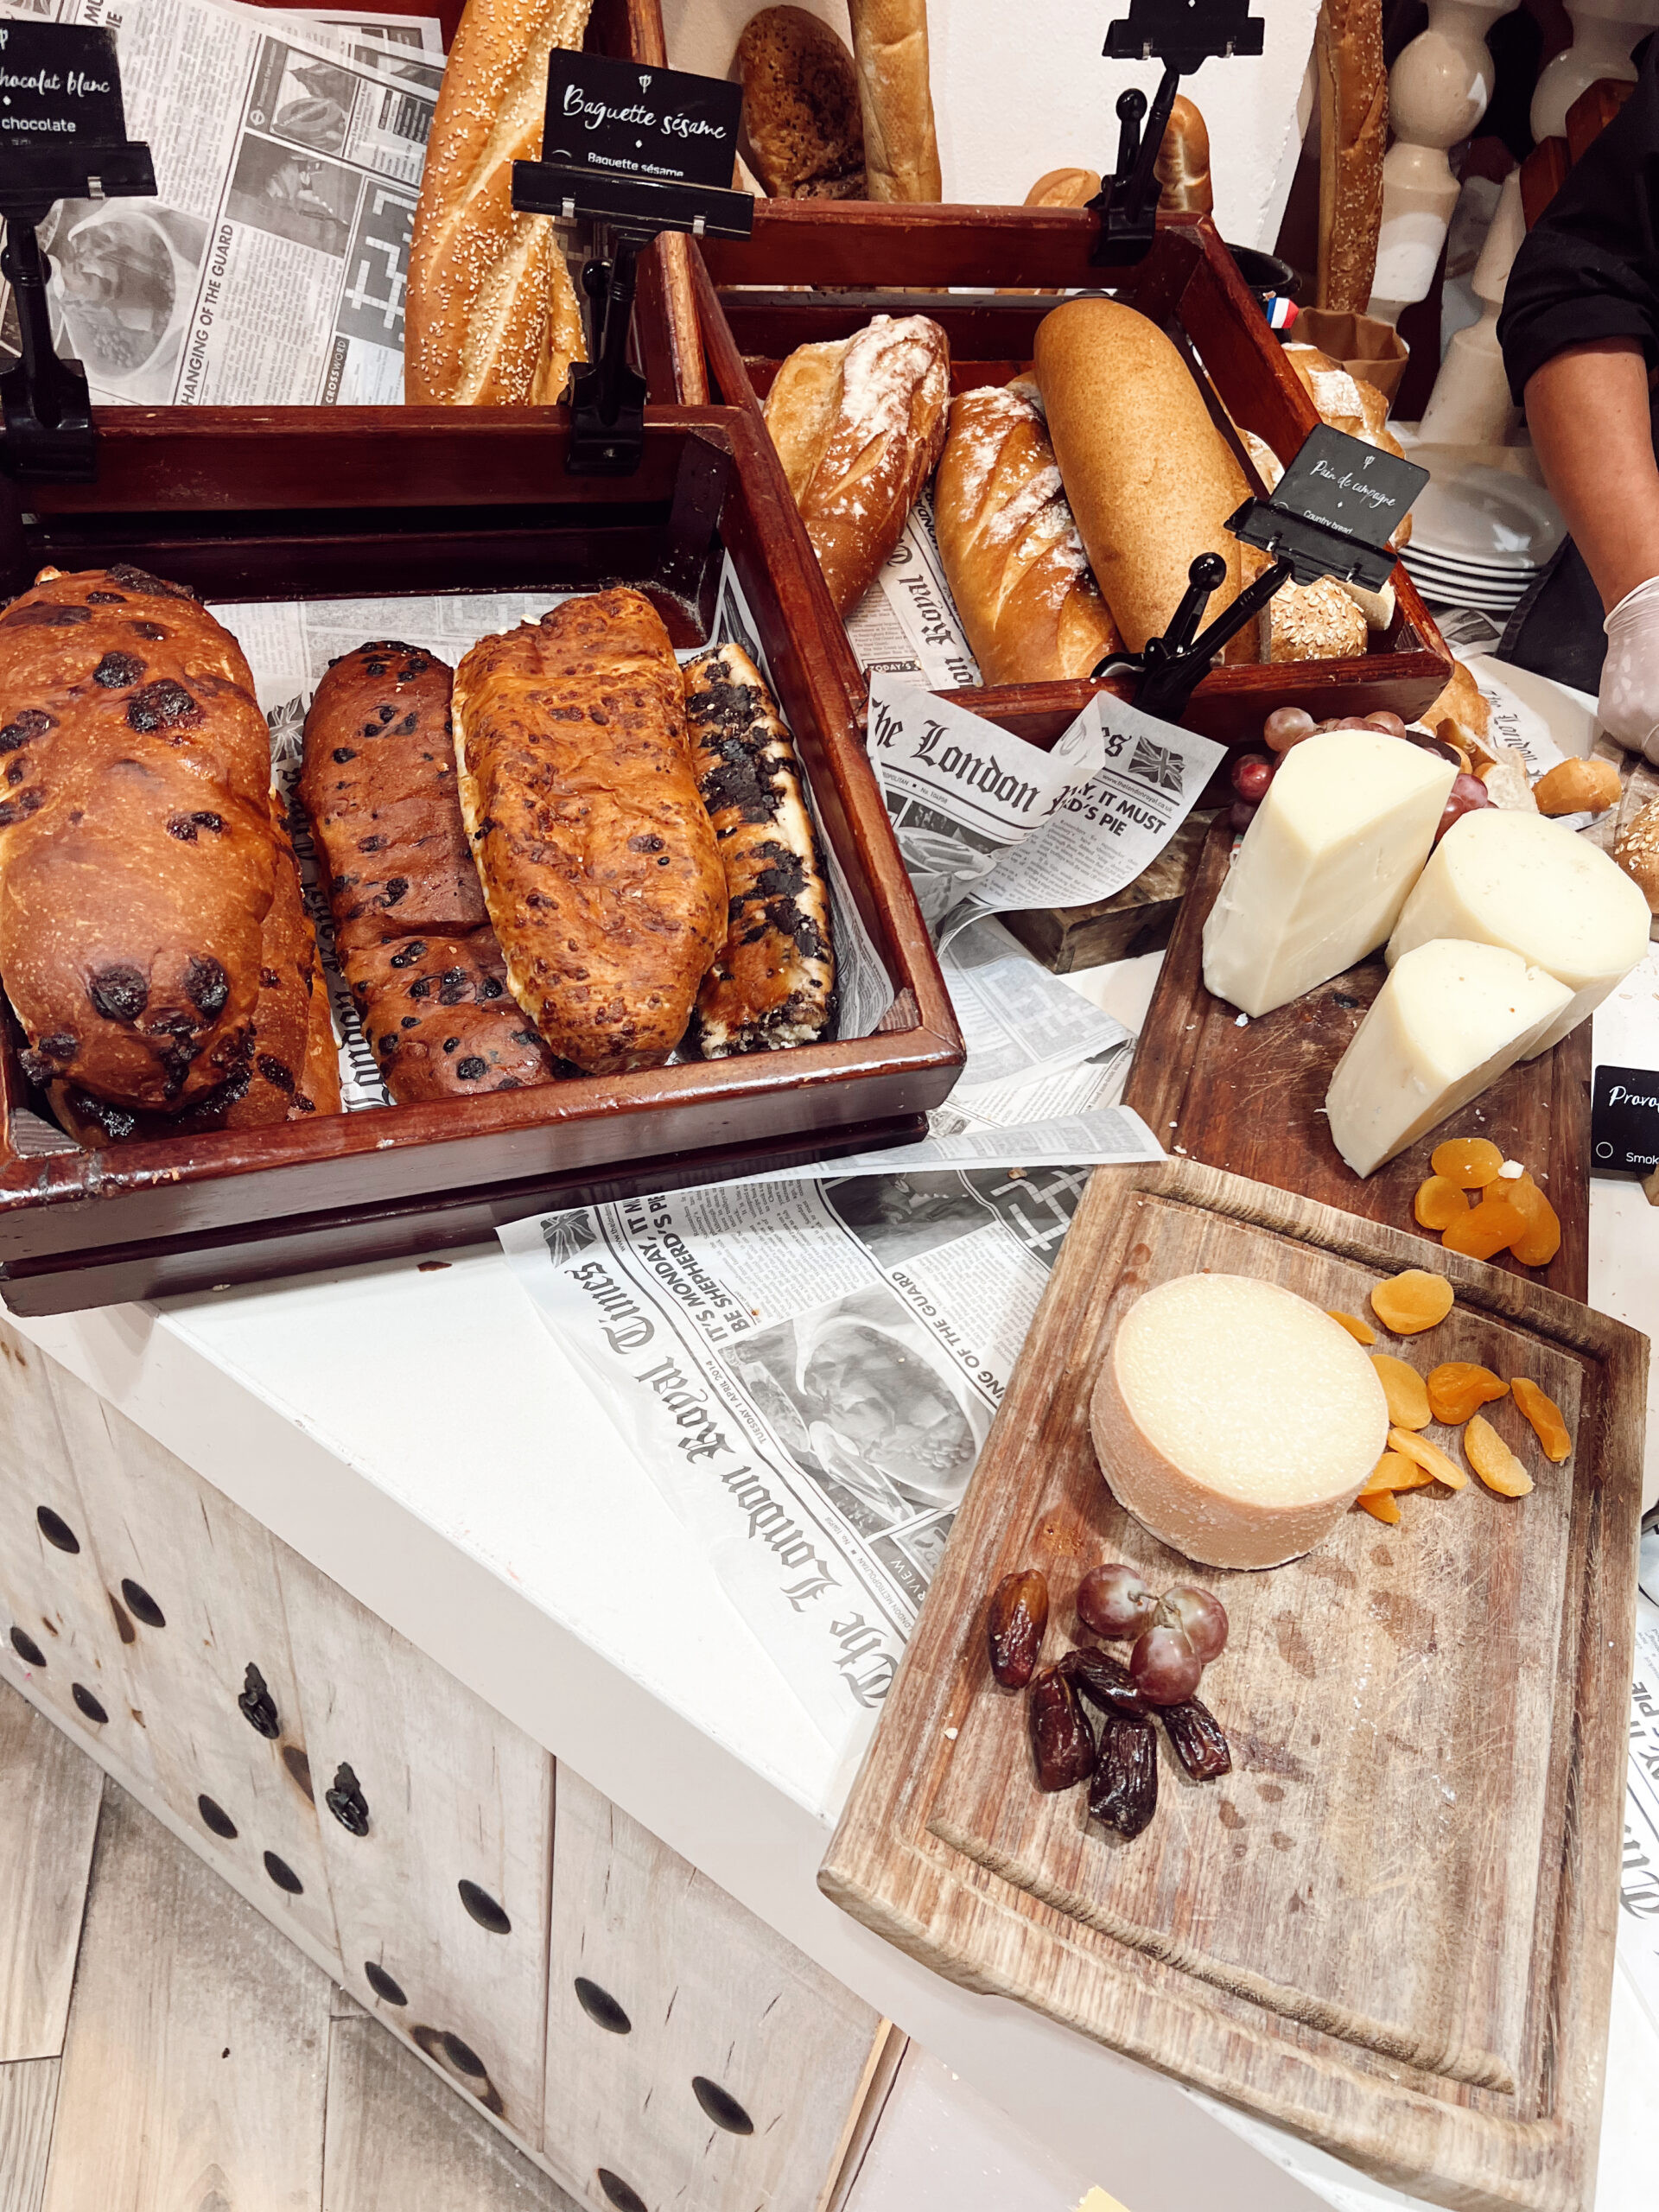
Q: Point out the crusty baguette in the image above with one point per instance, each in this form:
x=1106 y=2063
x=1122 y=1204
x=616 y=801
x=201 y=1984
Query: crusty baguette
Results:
x=773 y=981
x=1353 y=137
x=492 y=318
x=901 y=148
x=1150 y=479
x=598 y=866
x=858 y=423
x=801 y=113
x=1347 y=403
x=1015 y=564
x=1064 y=188
x=1182 y=167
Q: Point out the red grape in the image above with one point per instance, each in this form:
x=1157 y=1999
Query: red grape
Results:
x=1242 y=813
x=1164 y=1667
x=1468 y=796
x=1250 y=774
x=1285 y=726
x=1115 y=1601
x=1201 y=1618
x=1384 y=723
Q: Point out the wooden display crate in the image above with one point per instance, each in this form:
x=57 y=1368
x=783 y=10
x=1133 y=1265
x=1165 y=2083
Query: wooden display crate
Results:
x=318 y=504
x=1188 y=284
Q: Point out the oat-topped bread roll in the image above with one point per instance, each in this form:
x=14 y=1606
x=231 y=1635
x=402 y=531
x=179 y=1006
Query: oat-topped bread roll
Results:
x=773 y=983
x=492 y=318
x=858 y=423
x=1015 y=564
x=599 y=865
x=901 y=148
x=411 y=931
x=800 y=107
x=137 y=857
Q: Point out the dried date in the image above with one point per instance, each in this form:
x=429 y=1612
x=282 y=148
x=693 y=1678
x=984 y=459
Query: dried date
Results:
x=1123 y=1789
x=1105 y=1681
x=1016 y=1626
x=1061 y=1738
x=1198 y=1739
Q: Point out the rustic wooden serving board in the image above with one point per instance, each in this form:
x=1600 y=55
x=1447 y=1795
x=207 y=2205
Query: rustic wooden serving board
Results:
x=1390 y=1929
x=1250 y=1099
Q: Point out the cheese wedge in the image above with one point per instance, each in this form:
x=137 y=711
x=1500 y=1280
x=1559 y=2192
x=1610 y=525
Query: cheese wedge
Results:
x=1540 y=890
x=1451 y=1017
x=1234 y=1420
x=1325 y=866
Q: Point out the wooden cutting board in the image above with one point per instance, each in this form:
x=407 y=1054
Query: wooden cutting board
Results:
x=1390 y=1929
x=1249 y=1098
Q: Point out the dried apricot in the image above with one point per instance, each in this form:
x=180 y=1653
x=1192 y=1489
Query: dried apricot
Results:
x=1405 y=1390
x=1545 y=1416
x=1542 y=1239
x=1379 y=1503
x=1356 y=1330
x=1485 y=1231
x=1393 y=1470
x=1439 y=1203
x=1429 y=1457
x=1409 y=1303
x=1470 y=1162
x=1493 y=1461
x=1460 y=1389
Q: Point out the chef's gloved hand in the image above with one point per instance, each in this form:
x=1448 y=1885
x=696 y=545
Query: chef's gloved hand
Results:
x=1629 y=705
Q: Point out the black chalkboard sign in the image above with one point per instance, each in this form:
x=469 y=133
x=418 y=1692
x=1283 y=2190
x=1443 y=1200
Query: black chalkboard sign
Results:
x=1624 y=1122
x=1335 y=509
x=628 y=119
x=60 y=84
x=1184 y=33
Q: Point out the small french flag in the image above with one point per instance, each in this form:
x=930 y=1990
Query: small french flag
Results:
x=1282 y=313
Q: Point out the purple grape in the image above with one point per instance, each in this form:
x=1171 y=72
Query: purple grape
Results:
x=1164 y=1667
x=1115 y=1601
x=1285 y=726
x=1468 y=795
x=1250 y=774
x=1201 y=1617
x=1385 y=724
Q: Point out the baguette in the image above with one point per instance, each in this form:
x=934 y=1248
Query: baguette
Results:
x=901 y=148
x=1182 y=166
x=773 y=983
x=858 y=423
x=801 y=113
x=1015 y=564
x=492 y=318
x=1353 y=137
x=1150 y=479
x=599 y=867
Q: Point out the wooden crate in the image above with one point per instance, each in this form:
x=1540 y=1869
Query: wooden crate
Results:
x=274 y=503
x=1188 y=284
x=546 y=1956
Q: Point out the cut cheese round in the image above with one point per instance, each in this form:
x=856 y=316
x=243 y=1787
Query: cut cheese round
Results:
x=1536 y=888
x=1236 y=1421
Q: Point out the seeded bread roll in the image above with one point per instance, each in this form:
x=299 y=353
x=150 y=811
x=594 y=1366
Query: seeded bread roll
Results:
x=492 y=318
x=800 y=107
x=1637 y=852
x=901 y=149
x=858 y=423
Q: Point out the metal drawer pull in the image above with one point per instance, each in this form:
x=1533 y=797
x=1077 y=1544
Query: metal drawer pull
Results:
x=256 y=1705
x=346 y=1803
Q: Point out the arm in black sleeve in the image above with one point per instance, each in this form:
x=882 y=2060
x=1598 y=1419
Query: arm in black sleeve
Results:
x=1589 y=267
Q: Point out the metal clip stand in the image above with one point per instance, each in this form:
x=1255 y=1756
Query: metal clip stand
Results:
x=1171 y=667
x=607 y=398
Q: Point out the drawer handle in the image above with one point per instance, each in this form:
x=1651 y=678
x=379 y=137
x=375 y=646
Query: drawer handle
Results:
x=215 y=1817
x=483 y=1908
x=601 y=2008
x=27 y=1650
x=720 y=2106
x=256 y=1705
x=56 y=1530
x=624 y=2198
x=346 y=1803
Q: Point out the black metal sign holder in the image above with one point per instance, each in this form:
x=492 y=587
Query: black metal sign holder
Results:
x=48 y=414
x=1183 y=34
x=607 y=398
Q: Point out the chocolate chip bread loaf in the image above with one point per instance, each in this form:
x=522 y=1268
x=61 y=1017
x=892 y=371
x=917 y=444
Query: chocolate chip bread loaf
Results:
x=138 y=861
x=410 y=929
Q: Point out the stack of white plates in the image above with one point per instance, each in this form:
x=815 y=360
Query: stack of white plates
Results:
x=1497 y=587
x=1481 y=536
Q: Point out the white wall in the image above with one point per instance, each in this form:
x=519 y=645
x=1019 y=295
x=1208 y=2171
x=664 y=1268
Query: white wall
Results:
x=1021 y=88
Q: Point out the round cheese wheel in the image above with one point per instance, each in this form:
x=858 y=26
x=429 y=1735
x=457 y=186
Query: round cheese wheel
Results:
x=1236 y=1421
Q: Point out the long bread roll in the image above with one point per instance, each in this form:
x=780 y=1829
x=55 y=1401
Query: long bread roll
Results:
x=492 y=317
x=901 y=149
x=1353 y=135
x=1182 y=167
x=1012 y=555
x=1150 y=479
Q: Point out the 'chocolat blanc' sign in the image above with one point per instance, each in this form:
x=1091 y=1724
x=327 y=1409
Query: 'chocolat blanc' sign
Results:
x=628 y=119
x=59 y=84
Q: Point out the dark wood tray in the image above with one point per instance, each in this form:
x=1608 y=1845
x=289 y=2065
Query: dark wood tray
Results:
x=1250 y=1100
x=1189 y=284
x=316 y=504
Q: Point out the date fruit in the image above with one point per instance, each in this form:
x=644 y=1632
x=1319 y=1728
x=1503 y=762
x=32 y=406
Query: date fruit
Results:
x=1014 y=1626
x=1200 y=1617
x=1115 y=1601
x=1123 y=1789
x=1108 y=1686
x=1163 y=1666
x=1061 y=1738
x=1197 y=1735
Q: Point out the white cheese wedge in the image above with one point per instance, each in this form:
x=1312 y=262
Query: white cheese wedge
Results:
x=1325 y=866
x=1539 y=889
x=1451 y=1017
x=1234 y=1420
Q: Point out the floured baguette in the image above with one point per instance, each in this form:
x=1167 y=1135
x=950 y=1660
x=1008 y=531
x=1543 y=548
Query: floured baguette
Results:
x=1015 y=564
x=773 y=983
x=492 y=318
x=858 y=423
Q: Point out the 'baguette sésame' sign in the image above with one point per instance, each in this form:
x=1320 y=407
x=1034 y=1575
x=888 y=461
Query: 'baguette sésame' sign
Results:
x=58 y=85
x=626 y=120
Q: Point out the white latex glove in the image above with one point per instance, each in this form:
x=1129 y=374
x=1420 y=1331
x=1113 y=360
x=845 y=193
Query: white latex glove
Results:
x=1629 y=705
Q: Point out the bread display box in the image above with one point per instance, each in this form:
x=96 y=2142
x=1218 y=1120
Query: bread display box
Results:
x=267 y=513
x=817 y=270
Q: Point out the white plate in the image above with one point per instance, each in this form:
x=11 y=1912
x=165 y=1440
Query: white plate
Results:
x=1486 y=515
